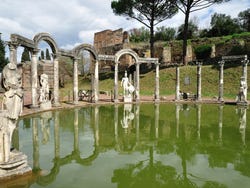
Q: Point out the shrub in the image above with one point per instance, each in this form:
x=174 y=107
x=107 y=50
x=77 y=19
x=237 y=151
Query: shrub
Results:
x=203 y=52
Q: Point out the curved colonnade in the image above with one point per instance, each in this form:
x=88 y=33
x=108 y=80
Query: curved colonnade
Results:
x=32 y=45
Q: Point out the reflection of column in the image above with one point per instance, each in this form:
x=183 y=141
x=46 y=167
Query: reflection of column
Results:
x=116 y=83
x=199 y=81
x=116 y=123
x=137 y=89
x=76 y=130
x=137 y=122
x=56 y=80
x=221 y=81
x=13 y=52
x=75 y=81
x=177 y=90
x=156 y=121
x=220 y=122
x=243 y=123
x=198 y=120
x=177 y=118
x=57 y=135
x=157 y=95
x=34 y=78
x=96 y=125
x=245 y=62
x=35 y=138
x=96 y=86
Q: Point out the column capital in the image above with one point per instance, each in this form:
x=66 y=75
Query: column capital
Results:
x=35 y=51
x=245 y=62
x=13 y=45
x=221 y=63
x=55 y=55
x=198 y=63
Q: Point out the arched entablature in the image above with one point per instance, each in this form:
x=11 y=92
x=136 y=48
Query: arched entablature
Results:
x=47 y=38
x=88 y=47
x=126 y=52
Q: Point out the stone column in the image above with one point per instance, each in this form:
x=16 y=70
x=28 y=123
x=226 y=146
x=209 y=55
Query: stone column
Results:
x=96 y=85
x=34 y=79
x=198 y=97
x=221 y=81
x=75 y=80
x=244 y=74
x=56 y=80
x=116 y=83
x=137 y=89
x=13 y=52
x=177 y=118
x=177 y=89
x=157 y=93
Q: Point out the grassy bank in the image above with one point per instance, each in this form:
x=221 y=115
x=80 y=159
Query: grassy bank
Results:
x=210 y=82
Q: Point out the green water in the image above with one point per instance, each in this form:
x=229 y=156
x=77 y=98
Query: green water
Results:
x=139 y=146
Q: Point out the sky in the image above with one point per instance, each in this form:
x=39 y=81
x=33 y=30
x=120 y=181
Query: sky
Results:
x=72 y=22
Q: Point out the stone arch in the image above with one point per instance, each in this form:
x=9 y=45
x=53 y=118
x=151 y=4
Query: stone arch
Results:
x=126 y=51
x=87 y=47
x=94 y=77
x=47 y=38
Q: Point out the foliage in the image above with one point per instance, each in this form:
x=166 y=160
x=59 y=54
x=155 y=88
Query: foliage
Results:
x=222 y=24
x=187 y=7
x=191 y=32
x=25 y=55
x=244 y=19
x=47 y=54
x=139 y=35
x=3 y=60
x=203 y=52
x=164 y=34
x=148 y=12
x=42 y=54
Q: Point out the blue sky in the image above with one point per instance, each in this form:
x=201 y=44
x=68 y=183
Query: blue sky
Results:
x=74 y=22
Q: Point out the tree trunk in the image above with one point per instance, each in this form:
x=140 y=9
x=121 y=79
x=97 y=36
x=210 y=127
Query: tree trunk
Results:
x=185 y=33
x=152 y=41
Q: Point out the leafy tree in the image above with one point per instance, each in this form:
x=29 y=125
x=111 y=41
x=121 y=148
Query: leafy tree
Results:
x=42 y=54
x=25 y=55
x=139 y=35
x=191 y=32
x=222 y=24
x=3 y=60
x=244 y=19
x=148 y=12
x=47 y=54
x=165 y=34
x=187 y=7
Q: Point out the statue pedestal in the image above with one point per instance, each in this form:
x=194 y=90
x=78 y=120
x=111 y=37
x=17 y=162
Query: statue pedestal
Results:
x=45 y=105
x=127 y=99
x=16 y=166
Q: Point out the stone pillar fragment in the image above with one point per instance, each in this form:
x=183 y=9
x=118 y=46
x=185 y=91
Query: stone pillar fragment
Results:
x=116 y=83
x=157 y=93
x=96 y=81
x=177 y=89
x=198 y=97
x=56 y=80
x=75 y=81
x=34 y=79
x=221 y=81
x=137 y=89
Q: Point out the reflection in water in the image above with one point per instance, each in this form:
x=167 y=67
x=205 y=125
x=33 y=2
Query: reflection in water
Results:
x=164 y=145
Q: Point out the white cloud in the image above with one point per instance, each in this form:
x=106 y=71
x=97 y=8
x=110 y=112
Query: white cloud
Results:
x=75 y=21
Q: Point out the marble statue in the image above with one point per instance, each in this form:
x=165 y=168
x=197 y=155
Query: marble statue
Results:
x=241 y=98
x=12 y=162
x=128 y=88
x=44 y=97
x=11 y=107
